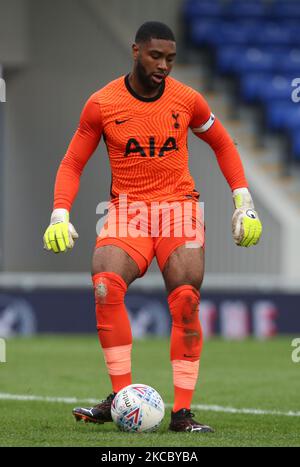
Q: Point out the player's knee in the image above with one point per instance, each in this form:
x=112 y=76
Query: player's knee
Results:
x=184 y=305
x=109 y=288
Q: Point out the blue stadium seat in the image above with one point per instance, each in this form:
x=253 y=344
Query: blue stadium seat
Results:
x=259 y=42
x=251 y=33
x=276 y=113
x=293 y=25
x=219 y=33
x=246 y=9
x=202 y=9
x=291 y=62
x=274 y=33
x=293 y=119
x=278 y=87
x=251 y=85
x=255 y=60
x=233 y=33
x=282 y=115
x=285 y=9
x=264 y=87
x=202 y=32
x=281 y=61
x=241 y=60
x=227 y=56
x=295 y=138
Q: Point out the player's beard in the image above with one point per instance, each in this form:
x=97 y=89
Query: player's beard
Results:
x=144 y=78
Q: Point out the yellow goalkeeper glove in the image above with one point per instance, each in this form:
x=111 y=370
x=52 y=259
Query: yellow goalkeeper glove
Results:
x=246 y=226
x=60 y=235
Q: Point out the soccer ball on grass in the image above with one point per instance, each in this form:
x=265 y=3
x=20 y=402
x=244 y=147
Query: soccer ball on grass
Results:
x=138 y=408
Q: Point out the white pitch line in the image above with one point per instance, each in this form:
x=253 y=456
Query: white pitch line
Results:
x=64 y=400
x=219 y=408
x=211 y=408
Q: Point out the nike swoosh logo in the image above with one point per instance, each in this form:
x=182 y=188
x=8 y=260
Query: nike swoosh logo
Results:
x=197 y=429
x=118 y=122
x=87 y=410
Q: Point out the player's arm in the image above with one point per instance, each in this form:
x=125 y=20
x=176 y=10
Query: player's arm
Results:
x=60 y=235
x=246 y=226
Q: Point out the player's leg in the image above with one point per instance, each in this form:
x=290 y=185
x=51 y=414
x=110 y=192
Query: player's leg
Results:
x=184 y=266
x=183 y=275
x=116 y=263
x=115 y=259
x=180 y=256
x=112 y=271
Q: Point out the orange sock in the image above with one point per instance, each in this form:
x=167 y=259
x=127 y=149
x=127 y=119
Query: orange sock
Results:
x=118 y=363
x=113 y=327
x=185 y=374
x=182 y=398
x=186 y=343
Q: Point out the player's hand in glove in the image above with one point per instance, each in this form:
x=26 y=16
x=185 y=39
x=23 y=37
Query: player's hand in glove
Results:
x=246 y=226
x=60 y=235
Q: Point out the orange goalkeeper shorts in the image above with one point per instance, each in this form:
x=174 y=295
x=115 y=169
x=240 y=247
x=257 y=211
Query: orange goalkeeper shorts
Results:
x=145 y=230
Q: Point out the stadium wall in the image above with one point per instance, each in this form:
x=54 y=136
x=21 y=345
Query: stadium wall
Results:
x=14 y=33
x=232 y=315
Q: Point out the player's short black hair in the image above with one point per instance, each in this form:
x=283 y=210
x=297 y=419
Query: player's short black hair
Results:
x=154 y=30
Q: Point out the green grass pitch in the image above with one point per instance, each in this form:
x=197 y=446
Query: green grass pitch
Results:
x=243 y=375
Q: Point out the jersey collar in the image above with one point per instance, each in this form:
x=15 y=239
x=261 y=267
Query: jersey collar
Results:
x=141 y=98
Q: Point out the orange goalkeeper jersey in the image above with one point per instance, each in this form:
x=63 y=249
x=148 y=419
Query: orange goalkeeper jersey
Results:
x=146 y=140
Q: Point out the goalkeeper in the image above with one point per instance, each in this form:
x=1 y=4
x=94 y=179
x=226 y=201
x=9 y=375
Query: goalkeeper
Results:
x=145 y=117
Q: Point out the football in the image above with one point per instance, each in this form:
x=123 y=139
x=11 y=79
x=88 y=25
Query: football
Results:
x=138 y=408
